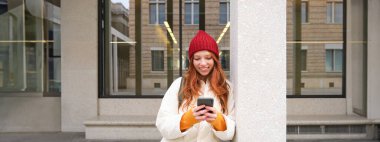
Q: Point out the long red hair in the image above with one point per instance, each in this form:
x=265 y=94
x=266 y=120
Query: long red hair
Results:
x=218 y=84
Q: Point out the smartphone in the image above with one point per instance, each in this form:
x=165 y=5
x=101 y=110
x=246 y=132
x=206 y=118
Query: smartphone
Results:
x=205 y=101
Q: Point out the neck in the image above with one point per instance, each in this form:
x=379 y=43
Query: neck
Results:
x=204 y=78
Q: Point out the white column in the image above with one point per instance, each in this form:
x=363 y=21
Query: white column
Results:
x=258 y=56
x=79 y=33
x=373 y=59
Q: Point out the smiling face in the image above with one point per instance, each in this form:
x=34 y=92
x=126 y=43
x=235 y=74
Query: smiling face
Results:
x=203 y=62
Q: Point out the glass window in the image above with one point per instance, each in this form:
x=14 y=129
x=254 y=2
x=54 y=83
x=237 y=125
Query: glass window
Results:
x=334 y=12
x=334 y=58
x=305 y=12
x=338 y=12
x=224 y=11
x=185 y=60
x=303 y=59
x=156 y=12
x=191 y=12
x=30 y=51
x=225 y=59
x=157 y=60
x=141 y=60
x=315 y=51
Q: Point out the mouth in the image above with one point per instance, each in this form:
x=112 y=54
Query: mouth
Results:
x=204 y=69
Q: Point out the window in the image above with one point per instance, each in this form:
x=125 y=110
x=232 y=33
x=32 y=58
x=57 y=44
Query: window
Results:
x=138 y=58
x=334 y=58
x=3 y=6
x=315 y=52
x=185 y=61
x=191 y=12
x=304 y=60
x=334 y=12
x=225 y=59
x=224 y=11
x=33 y=65
x=157 y=60
x=305 y=12
x=156 y=11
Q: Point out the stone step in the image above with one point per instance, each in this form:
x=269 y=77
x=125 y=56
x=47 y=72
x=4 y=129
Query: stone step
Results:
x=122 y=128
x=314 y=127
x=327 y=120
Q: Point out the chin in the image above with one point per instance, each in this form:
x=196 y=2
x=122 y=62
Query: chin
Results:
x=205 y=74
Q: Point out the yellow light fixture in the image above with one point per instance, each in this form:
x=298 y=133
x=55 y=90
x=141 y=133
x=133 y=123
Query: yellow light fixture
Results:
x=224 y=31
x=170 y=31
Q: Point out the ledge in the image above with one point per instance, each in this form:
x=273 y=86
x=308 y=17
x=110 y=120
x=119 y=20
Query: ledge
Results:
x=121 y=121
x=327 y=120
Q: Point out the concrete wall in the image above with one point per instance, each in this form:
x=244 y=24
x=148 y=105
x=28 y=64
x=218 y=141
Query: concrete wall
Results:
x=258 y=70
x=373 y=59
x=79 y=62
x=316 y=106
x=129 y=106
x=32 y=113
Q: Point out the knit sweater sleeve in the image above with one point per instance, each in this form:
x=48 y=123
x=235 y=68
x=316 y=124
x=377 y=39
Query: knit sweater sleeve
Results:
x=168 y=118
x=229 y=118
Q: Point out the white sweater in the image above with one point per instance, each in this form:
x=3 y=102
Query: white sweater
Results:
x=169 y=117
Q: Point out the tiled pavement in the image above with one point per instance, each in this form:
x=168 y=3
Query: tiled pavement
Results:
x=79 y=137
x=54 y=137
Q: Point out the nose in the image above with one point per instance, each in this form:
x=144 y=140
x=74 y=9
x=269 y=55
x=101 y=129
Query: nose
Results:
x=203 y=62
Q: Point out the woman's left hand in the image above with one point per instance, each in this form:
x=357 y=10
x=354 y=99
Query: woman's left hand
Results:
x=210 y=114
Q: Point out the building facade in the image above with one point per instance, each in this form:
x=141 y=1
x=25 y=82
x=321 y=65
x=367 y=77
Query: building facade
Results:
x=102 y=66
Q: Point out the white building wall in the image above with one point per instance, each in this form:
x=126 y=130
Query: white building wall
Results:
x=30 y=113
x=373 y=59
x=129 y=106
x=79 y=35
x=316 y=106
x=258 y=72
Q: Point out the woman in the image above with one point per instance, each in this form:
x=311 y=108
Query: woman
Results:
x=179 y=118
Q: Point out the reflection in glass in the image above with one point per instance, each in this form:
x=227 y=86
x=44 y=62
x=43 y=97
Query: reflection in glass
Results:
x=224 y=59
x=191 y=12
x=305 y=11
x=30 y=46
x=154 y=62
x=315 y=50
x=157 y=60
x=224 y=11
x=334 y=12
x=156 y=11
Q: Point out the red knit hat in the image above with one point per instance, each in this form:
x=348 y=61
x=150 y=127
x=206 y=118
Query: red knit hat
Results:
x=203 y=41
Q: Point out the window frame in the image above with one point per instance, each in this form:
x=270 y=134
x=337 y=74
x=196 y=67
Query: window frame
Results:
x=306 y=12
x=161 y=49
x=304 y=49
x=222 y=49
x=157 y=3
x=228 y=11
x=192 y=2
x=334 y=52
x=333 y=14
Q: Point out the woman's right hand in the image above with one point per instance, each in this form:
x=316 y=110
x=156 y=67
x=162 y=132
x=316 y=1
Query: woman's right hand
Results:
x=199 y=113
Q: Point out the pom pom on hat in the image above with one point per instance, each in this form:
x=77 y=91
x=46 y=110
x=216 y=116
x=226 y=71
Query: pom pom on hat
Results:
x=203 y=41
